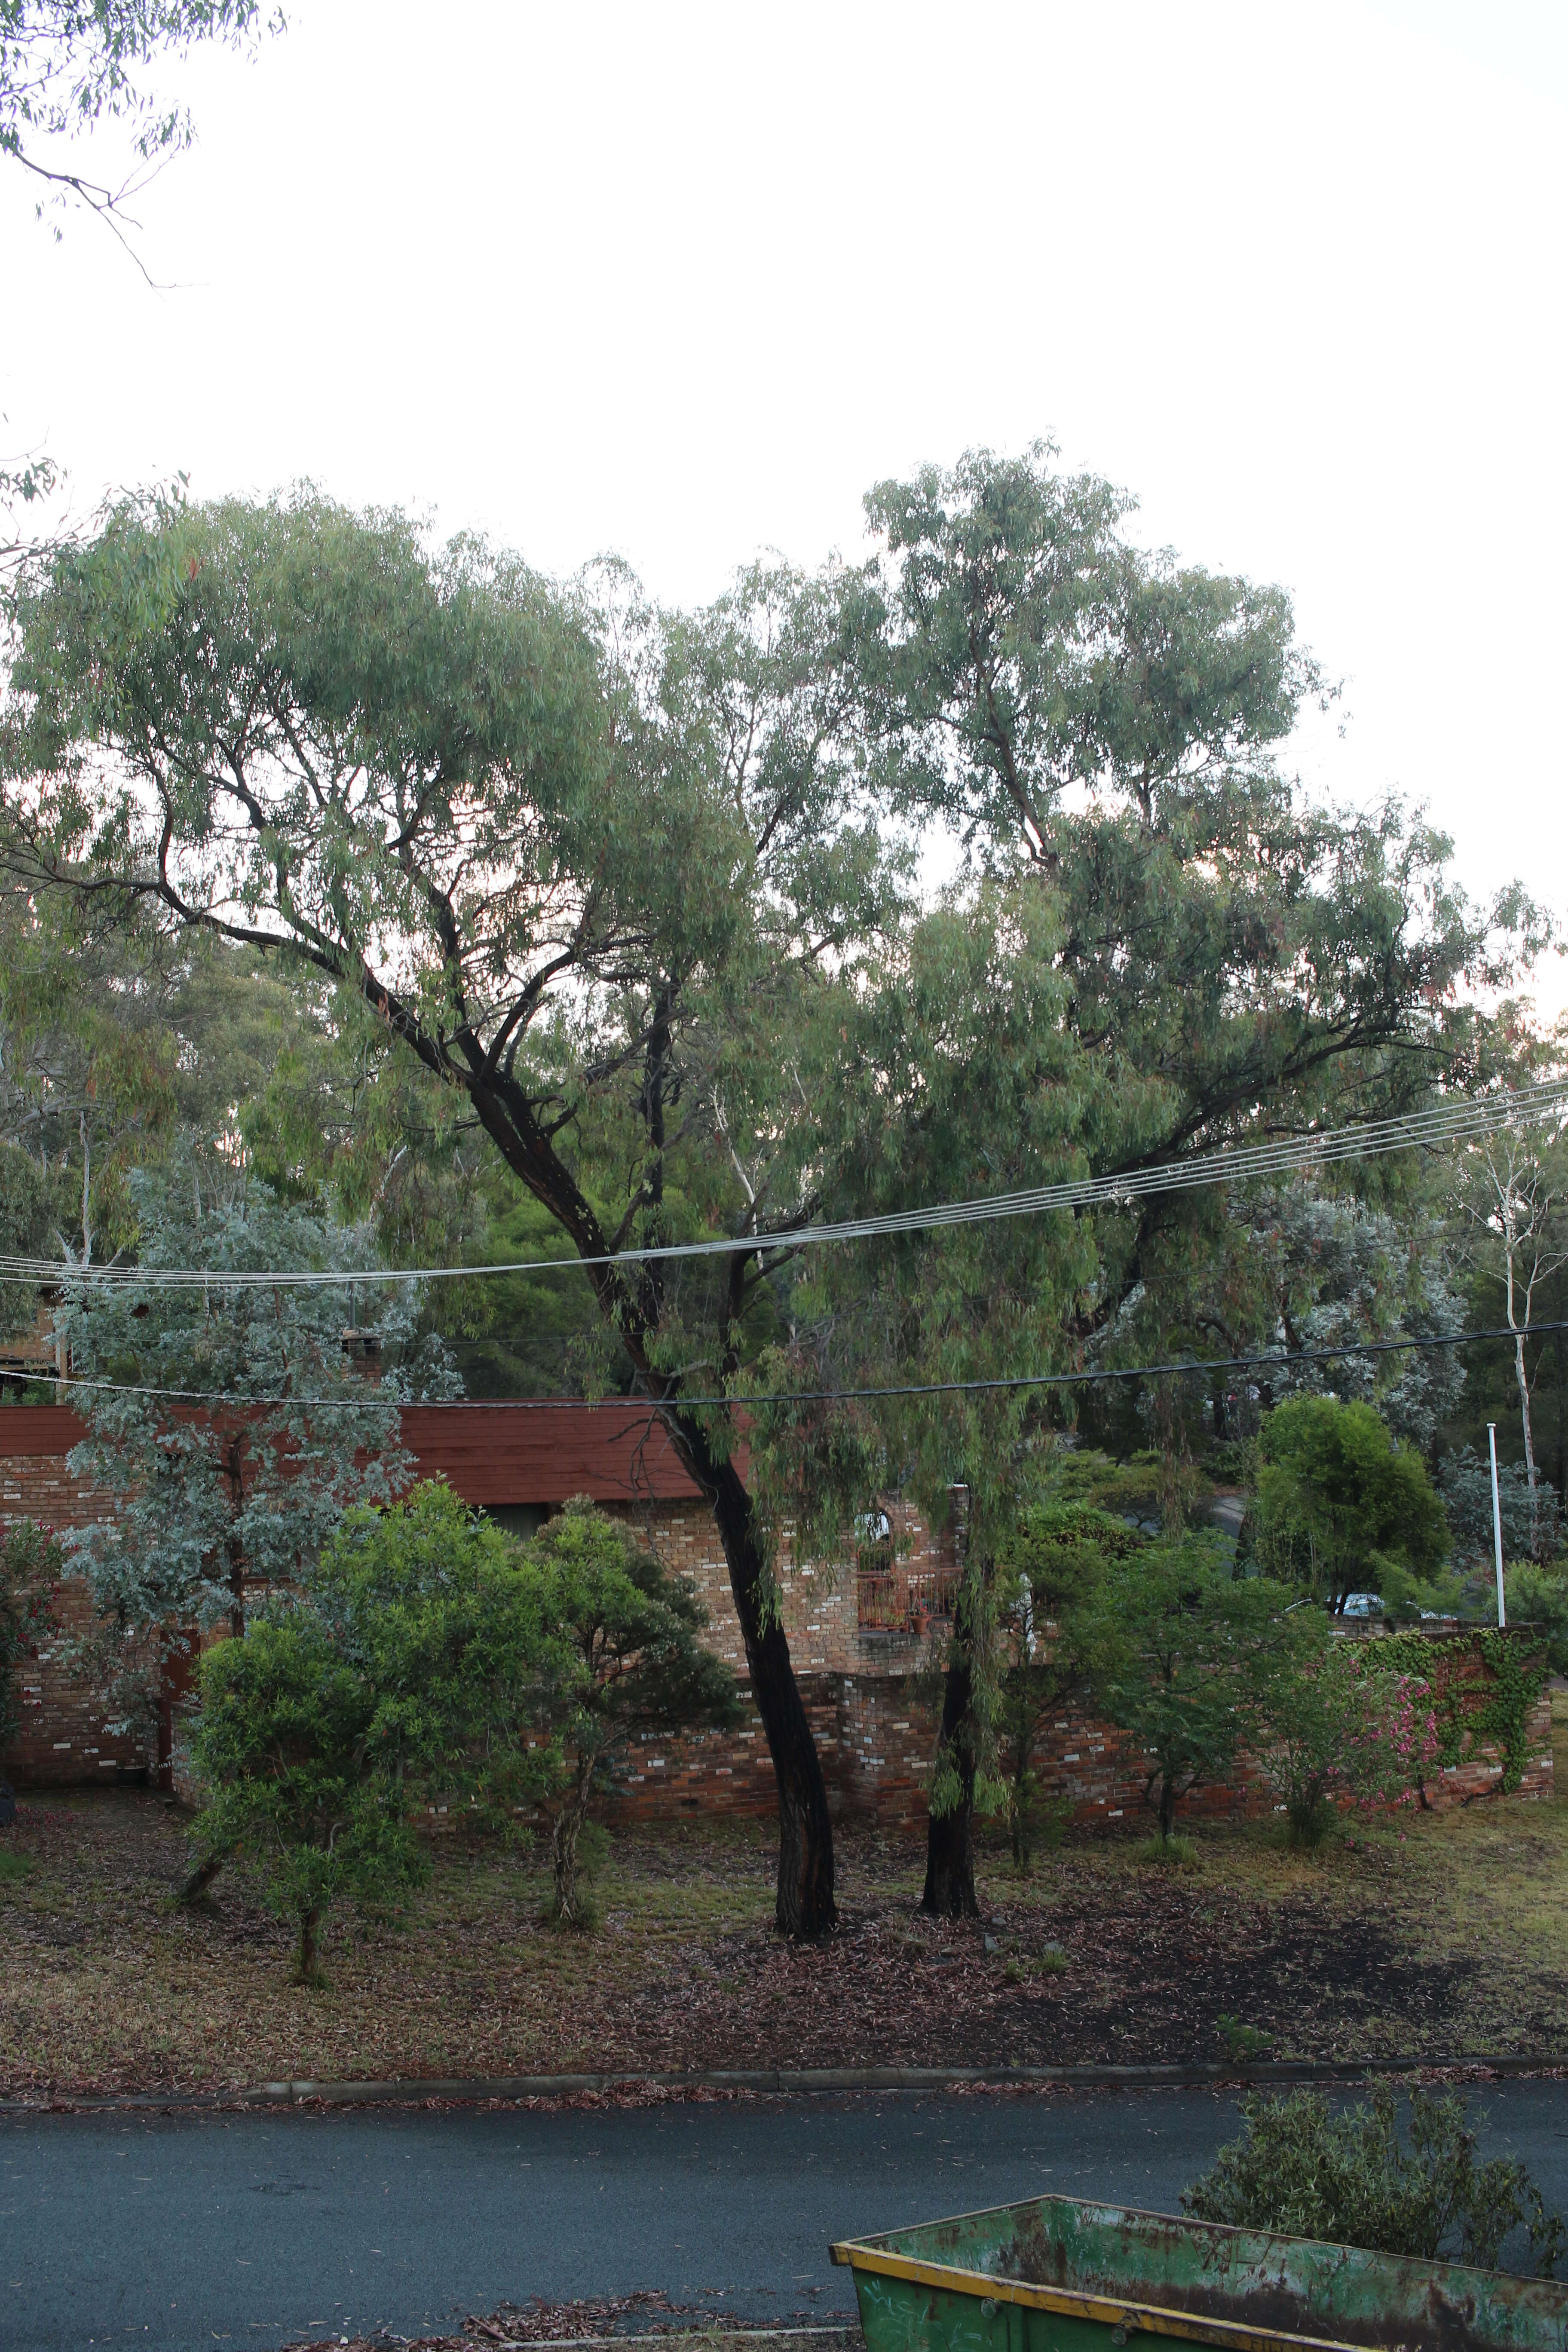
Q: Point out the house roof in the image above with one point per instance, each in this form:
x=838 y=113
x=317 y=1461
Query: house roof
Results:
x=489 y=1453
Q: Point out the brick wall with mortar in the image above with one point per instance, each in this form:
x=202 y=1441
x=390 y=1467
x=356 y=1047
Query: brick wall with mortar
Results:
x=861 y=1687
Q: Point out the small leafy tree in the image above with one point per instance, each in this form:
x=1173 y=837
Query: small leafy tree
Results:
x=628 y=1661
x=1050 y=1573
x=426 y=1603
x=1340 y=1506
x=219 y=1502
x=285 y=1749
x=30 y=1565
x=1170 y=1641
x=1349 y=2179
x=1328 y=1719
x=1539 y=1596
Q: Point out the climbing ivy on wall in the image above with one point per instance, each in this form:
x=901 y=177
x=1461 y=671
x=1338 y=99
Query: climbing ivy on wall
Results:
x=1494 y=1713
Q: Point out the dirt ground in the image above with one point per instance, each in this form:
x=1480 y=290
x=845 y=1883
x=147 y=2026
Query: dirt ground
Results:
x=1422 y=1936
x=639 y=2317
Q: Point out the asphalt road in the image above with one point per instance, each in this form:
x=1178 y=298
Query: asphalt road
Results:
x=181 y=2232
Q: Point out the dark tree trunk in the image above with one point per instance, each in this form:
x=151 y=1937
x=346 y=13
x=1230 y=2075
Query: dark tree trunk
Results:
x=1167 y=1806
x=309 y=1929
x=563 y=1838
x=805 y=1905
x=950 y=1835
x=202 y=1877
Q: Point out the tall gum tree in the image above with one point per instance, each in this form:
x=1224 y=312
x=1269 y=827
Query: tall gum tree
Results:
x=1208 y=959
x=592 y=866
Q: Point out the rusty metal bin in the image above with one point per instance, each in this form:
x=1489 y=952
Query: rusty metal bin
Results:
x=1055 y=2274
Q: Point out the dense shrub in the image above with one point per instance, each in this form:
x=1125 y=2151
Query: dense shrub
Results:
x=1349 y=2179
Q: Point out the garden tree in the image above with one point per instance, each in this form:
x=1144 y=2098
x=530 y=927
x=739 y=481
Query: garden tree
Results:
x=30 y=1565
x=1328 y=1719
x=219 y=1500
x=1341 y=1508
x=427 y=1603
x=627 y=1660
x=584 y=863
x=66 y=67
x=285 y=1753
x=1051 y=1571
x=1170 y=1639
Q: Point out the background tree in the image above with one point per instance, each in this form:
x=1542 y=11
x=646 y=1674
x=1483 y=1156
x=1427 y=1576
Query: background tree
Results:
x=626 y=1661
x=1340 y=1504
x=220 y=1501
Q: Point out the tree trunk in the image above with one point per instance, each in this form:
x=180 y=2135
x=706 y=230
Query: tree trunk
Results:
x=563 y=1837
x=1523 y=1377
x=805 y=1906
x=202 y=1877
x=949 y=1891
x=1167 y=1806
x=309 y=1928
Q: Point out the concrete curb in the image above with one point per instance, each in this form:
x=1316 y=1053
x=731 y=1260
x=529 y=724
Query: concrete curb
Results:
x=785 y=2082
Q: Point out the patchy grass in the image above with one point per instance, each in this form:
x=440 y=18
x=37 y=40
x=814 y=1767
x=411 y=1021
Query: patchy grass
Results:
x=1425 y=1936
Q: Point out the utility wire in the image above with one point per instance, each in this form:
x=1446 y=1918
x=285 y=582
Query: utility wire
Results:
x=1275 y=1362
x=1447 y=1123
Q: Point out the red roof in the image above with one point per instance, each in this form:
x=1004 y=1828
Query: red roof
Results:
x=487 y=1452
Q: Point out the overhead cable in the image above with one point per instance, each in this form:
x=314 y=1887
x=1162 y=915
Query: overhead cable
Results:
x=373 y=1401
x=1455 y=1121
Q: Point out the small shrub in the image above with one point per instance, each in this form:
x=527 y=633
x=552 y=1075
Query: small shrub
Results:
x=1052 y=1961
x=1174 y=1852
x=1242 y=2041
x=13 y=1866
x=1349 y=2179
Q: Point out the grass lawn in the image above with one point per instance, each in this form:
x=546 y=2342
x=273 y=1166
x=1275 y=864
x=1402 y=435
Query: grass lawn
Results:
x=1428 y=1936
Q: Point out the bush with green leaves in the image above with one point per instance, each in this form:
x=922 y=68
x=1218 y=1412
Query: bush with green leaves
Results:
x=1539 y=1596
x=1348 y=2179
x=1048 y=1573
x=625 y=1660
x=1330 y=1720
x=285 y=1750
x=1170 y=1643
x=415 y=1665
x=30 y=1565
x=1341 y=1508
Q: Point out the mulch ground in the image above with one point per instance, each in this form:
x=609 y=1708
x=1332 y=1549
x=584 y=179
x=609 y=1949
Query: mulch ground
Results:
x=511 y=2328
x=1432 y=1937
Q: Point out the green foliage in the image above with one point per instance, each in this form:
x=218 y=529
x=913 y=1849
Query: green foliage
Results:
x=31 y=1562
x=1242 y=2041
x=1333 y=1717
x=65 y=67
x=1161 y=1852
x=627 y=1660
x=1502 y=1718
x=1348 y=2179
x=434 y=1606
x=1170 y=1641
x=1465 y=1482
x=1538 y=1597
x=285 y=1752
x=1049 y=1570
x=214 y=1506
x=1341 y=1508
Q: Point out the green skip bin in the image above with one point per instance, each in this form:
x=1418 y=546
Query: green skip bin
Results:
x=1056 y=2275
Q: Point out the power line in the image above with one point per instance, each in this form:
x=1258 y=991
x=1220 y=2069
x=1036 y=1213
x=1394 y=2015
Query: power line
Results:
x=1447 y=1123
x=1276 y=1362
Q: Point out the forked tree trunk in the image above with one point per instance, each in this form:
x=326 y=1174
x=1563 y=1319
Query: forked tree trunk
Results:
x=202 y=1877
x=563 y=1838
x=805 y=1906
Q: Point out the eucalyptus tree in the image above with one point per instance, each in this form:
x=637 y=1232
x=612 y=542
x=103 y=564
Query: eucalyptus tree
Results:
x=588 y=865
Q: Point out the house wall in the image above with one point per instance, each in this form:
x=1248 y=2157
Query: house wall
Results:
x=868 y=1693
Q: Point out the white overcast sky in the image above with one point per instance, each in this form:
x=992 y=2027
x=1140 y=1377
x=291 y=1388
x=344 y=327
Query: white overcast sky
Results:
x=683 y=281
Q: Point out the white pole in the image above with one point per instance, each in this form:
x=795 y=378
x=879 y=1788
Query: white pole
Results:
x=1496 y=1525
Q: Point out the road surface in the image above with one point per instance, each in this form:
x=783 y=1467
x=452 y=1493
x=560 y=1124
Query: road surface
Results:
x=181 y=2232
